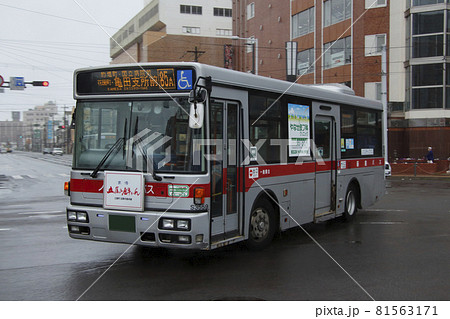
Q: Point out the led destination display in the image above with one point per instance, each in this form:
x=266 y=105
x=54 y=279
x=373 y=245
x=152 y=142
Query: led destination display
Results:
x=133 y=80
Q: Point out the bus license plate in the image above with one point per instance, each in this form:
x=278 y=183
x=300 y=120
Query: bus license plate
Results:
x=122 y=223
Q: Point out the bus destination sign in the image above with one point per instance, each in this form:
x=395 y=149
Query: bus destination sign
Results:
x=135 y=80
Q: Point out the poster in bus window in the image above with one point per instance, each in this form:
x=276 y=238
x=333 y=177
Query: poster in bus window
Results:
x=298 y=129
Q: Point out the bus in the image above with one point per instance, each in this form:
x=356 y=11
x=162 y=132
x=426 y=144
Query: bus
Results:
x=200 y=157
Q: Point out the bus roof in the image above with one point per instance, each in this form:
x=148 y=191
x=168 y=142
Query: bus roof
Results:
x=330 y=93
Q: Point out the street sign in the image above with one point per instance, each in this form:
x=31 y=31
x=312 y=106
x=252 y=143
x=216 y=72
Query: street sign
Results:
x=50 y=130
x=17 y=83
x=1 y=80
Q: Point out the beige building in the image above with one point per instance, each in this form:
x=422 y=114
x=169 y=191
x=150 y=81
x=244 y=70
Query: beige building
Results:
x=175 y=30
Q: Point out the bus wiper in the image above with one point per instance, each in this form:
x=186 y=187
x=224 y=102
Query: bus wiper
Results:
x=115 y=147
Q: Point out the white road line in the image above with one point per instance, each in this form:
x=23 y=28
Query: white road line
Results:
x=46 y=216
x=385 y=210
x=17 y=177
x=381 y=223
x=5 y=229
x=37 y=213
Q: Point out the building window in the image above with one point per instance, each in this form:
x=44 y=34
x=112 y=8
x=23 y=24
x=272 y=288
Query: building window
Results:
x=305 y=61
x=303 y=23
x=427 y=34
x=222 y=12
x=427 y=86
x=224 y=32
x=191 y=30
x=190 y=9
x=336 y=11
x=371 y=4
x=250 y=11
x=374 y=44
x=426 y=2
x=372 y=90
x=337 y=53
x=428 y=22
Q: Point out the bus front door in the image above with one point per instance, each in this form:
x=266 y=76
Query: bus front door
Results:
x=224 y=168
x=325 y=155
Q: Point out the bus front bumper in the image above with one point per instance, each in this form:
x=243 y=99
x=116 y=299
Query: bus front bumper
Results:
x=148 y=228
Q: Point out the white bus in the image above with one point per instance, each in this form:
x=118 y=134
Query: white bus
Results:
x=202 y=157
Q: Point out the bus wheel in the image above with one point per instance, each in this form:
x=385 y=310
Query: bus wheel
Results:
x=351 y=202
x=262 y=225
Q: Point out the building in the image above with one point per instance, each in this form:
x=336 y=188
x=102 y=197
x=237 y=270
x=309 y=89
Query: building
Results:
x=39 y=124
x=341 y=41
x=419 y=108
x=12 y=133
x=269 y=23
x=40 y=115
x=175 y=30
x=338 y=41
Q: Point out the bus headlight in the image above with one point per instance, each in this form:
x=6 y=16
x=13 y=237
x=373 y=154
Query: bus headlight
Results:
x=82 y=217
x=74 y=216
x=71 y=215
x=168 y=223
x=174 y=224
x=183 y=224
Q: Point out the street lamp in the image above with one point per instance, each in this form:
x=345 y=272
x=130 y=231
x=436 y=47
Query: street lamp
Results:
x=254 y=43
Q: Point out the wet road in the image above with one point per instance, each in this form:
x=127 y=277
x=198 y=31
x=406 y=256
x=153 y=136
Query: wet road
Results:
x=396 y=250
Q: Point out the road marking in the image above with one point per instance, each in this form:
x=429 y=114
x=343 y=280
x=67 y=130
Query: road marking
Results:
x=385 y=210
x=381 y=223
x=5 y=229
x=17 y=177
x=64 y=175
x=46 y=216
x=37 y=213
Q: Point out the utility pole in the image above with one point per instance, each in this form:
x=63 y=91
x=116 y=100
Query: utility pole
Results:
x=197 y=53
x=384 y=100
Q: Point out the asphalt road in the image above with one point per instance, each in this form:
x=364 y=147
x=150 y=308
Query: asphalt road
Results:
x=395 y=250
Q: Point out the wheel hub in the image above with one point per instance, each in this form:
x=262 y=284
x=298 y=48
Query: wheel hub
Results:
x=260 y=224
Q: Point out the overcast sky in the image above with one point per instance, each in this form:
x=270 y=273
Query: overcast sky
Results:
x=49 y=39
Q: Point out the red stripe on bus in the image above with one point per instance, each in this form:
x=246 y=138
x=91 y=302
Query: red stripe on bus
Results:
x=151 y=189
x=305 y=168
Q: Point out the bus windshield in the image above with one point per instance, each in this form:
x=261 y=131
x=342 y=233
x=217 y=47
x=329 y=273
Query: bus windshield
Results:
x=155 y=133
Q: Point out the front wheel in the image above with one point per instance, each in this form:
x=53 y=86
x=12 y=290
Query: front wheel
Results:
x=351 y=200
x=262 y=225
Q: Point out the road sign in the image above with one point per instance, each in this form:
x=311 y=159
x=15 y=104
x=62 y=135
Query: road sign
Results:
x=17 y=83
x=1 y=80
x=50 y=130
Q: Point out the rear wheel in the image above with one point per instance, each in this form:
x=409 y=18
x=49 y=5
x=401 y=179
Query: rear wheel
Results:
x=351 y=202
x=262 y=225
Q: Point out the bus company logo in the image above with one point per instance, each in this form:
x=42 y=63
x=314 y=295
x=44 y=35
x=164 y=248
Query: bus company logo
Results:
x=184 y=80
x=253 y=172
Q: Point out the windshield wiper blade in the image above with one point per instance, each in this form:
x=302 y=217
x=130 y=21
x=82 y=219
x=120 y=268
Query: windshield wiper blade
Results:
x=116 y=147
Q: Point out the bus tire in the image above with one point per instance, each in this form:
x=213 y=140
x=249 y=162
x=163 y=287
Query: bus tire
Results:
x=351 y=202
x=262 y=225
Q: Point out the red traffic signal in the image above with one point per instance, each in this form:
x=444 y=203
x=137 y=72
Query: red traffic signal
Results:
x=40 y=83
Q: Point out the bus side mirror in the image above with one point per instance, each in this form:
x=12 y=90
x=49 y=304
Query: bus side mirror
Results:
x=196 y=115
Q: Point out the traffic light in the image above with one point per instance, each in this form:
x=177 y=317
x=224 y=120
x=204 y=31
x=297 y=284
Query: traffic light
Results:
x=40 y=83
